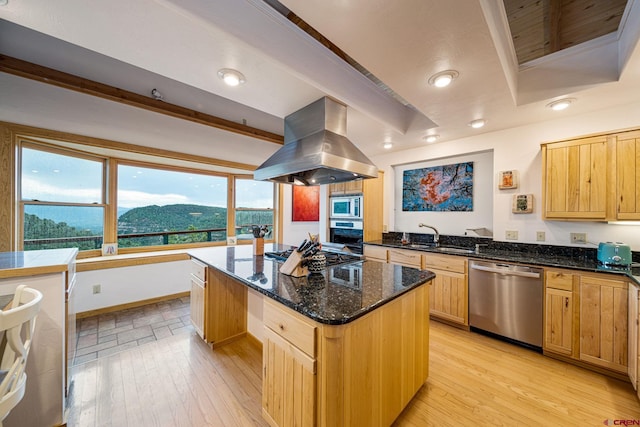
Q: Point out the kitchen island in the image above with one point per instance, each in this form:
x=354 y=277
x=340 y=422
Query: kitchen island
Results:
x=348 y=346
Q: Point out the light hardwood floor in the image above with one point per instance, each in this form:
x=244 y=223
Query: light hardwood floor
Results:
x=473 y=381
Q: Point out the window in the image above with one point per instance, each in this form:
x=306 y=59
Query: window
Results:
x=66 y=200
x=160 y=207
x=62 y=200
x=253 y=206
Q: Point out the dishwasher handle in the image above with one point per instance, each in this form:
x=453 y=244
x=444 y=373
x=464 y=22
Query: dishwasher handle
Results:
x=531 y=274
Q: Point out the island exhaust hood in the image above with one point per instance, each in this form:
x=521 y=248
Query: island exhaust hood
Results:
x=316 y=150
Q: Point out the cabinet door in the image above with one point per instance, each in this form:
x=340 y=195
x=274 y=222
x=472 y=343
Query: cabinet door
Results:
x=378 y=253
x=197 y=302
x=448 y=296
x=336 y=189
x=633 y=336
x=226 y=307
x=353 y=187
x=405 y=257
x=558 y=334
x=373 y=209
x=603 y=322
x=575 y=176
x=627 y=176
x=288 y=383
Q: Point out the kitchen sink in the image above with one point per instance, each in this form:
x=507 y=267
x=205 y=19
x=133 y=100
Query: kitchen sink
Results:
x=419 y=246
x=452 y=250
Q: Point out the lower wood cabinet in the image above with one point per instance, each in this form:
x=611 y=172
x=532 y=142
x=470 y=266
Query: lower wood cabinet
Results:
x=559 y=312
x=218 y=305
x=289 y=382
x=449 y=290
x=405 y=257
x=376 y=253
x=364 y=372
x=603 y=322
x=198 y=308
x=586 y=318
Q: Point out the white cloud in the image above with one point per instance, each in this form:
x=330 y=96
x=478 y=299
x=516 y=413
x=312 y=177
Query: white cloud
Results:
x=134 y=199
x=46 y=192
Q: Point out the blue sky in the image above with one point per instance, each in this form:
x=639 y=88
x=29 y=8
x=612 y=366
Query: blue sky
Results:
x=54 y=177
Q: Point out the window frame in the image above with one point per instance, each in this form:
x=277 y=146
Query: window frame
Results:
x=109 y=195
x=273 y=209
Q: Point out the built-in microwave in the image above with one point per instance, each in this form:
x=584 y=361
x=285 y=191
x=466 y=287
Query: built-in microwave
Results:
x=346 y=207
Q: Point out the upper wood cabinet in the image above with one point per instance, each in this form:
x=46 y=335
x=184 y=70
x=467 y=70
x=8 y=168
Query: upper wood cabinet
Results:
x=349 y=187
x=575 y=179
x=593 y=179
x=627 y=162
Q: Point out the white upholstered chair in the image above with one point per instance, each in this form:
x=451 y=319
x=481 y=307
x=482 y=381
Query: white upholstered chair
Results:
x=18 y=324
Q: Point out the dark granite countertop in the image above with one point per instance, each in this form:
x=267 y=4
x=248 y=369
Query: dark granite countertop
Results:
x=539 y=255
x=339 y=295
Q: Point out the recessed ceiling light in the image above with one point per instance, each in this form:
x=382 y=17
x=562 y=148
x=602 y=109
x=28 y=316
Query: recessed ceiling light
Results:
x=431 y=138
x=231 y=77
x=478 y=123
x=560 y=104
x=443 y=78
x=387 y=145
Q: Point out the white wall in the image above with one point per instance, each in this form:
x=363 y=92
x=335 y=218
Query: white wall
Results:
x=130 y=284
x=293 y=233
x=519 y=148
x=452 y=223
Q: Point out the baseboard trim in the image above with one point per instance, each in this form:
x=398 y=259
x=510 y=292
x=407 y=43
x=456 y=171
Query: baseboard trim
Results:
x=134 y=304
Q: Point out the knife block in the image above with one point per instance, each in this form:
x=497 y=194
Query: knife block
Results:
x=292 y=267
x=258 y=246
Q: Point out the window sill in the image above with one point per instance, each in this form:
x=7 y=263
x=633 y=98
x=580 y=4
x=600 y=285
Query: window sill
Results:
x=132 y=259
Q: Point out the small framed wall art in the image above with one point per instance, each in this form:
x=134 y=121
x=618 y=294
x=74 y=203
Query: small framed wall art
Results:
x=508 y=180
x=522 y=203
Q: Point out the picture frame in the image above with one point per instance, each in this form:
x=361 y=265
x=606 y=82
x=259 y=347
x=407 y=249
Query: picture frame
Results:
x=508 y=180
x=522 y=203
x=109 y=249
x=305 y=203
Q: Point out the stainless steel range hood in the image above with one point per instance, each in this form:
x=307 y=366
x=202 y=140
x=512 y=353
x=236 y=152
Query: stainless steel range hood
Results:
x=316 y=150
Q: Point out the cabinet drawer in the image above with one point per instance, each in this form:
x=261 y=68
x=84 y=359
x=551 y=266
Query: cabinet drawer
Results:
x=291 y=326
x=405 y=257
x=559 y=280
x=445 y=262
x=375 y=252
x=198 y=269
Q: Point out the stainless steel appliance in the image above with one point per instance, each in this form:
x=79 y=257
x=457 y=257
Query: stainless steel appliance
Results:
x=614 y=255
x=345 y=207
x=507 y=300
x=348 y=232
x=316 y=149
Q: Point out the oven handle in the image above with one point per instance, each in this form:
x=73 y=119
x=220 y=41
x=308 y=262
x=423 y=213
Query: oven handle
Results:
x=506 y=272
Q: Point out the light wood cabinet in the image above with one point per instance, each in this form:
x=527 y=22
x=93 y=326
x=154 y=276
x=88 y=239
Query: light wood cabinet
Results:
x=198 y=297
x=289 y=383
x=627 y=174
x=337 y=375
x=603 y=322
x=405 y=257
x=349 y=187
x=448 y=299
x=559 y=335
x=575 y=179
x=225 y=308
x=633 y=331
x=376 y=253
x=373 y=209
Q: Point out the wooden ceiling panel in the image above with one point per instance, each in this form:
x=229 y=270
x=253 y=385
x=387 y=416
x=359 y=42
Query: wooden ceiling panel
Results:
x=542 y=27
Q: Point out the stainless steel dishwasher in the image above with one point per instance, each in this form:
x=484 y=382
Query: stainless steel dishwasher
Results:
x=506 y=300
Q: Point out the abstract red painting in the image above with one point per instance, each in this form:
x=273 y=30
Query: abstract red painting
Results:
x=306 y=203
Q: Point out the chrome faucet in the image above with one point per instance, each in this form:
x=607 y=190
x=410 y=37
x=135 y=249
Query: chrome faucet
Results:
x=436 y=237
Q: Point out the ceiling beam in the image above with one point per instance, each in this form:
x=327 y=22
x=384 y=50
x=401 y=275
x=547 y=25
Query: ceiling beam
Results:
x=50 y=76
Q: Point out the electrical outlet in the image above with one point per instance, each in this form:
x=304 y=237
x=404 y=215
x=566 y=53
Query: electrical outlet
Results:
x=97 y=289
x=511 y=235
x=540 y=237
x=578 y=237
x=384 y=228
x=231 y=240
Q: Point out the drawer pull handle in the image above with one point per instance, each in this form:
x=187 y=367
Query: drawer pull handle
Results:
x=566 y=302
x=281 y=326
